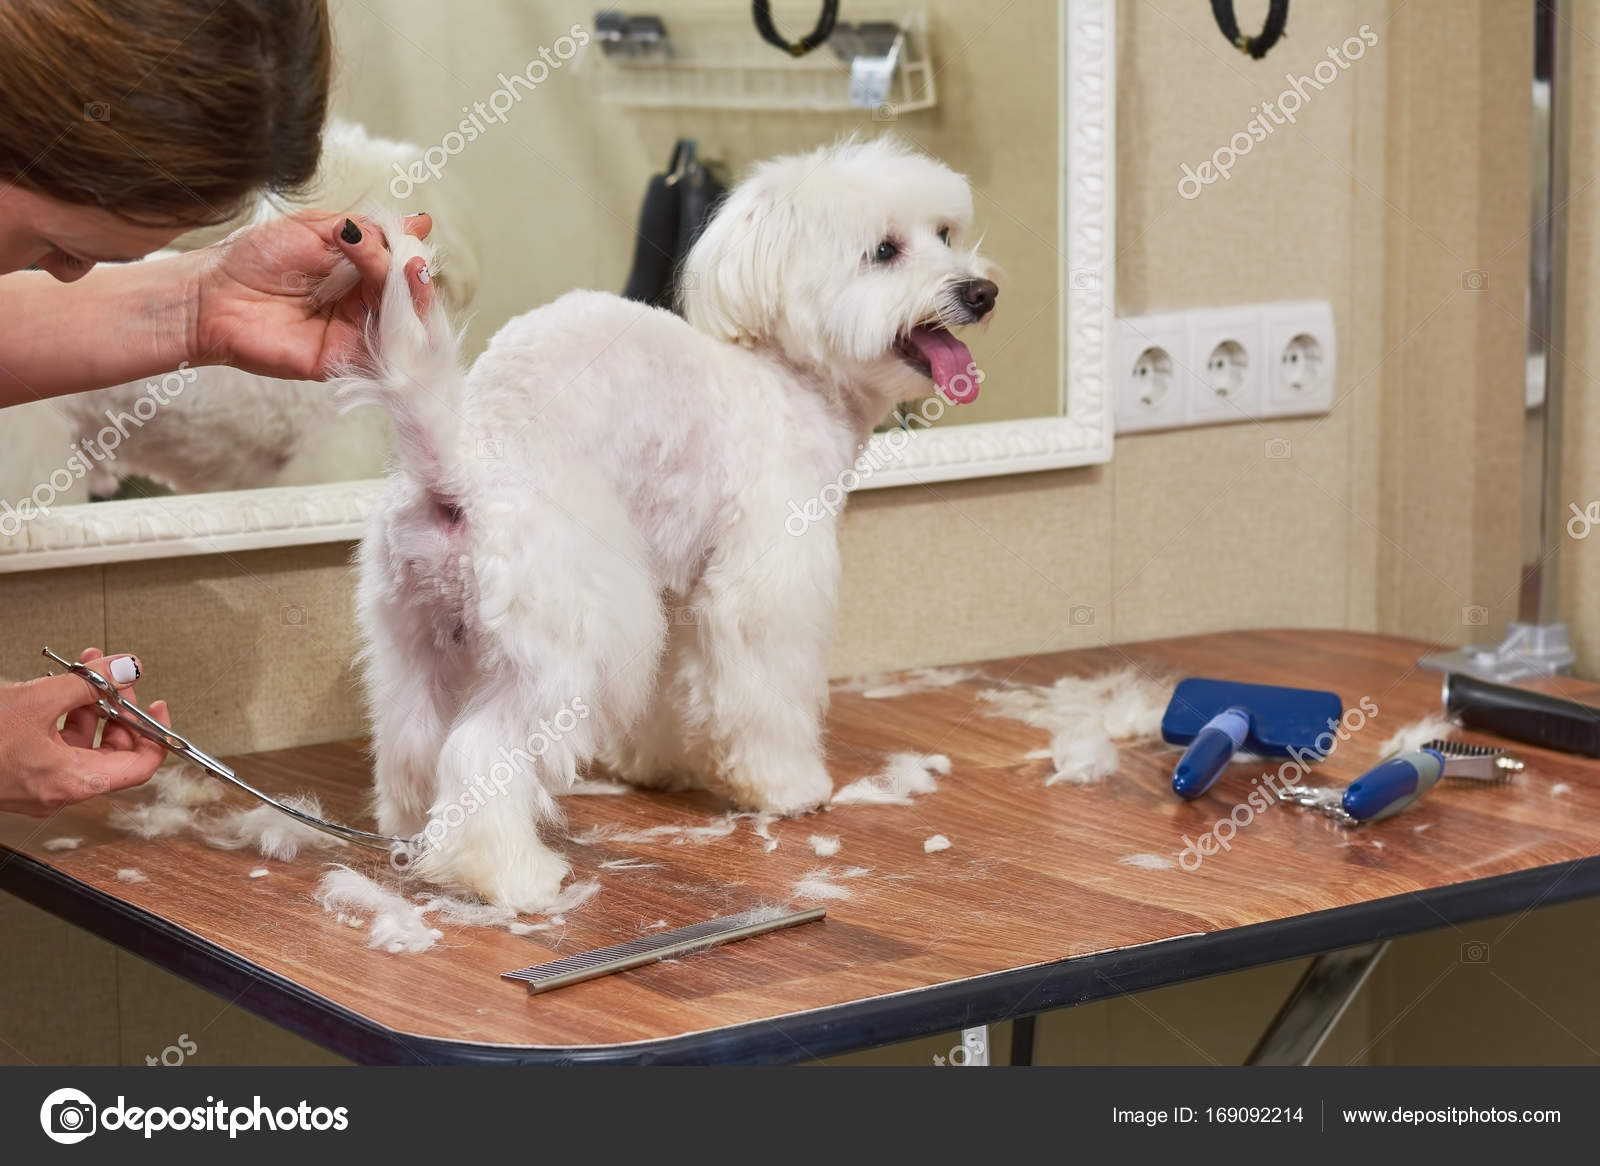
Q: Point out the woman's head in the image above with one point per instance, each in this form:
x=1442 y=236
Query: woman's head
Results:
x=125 y=122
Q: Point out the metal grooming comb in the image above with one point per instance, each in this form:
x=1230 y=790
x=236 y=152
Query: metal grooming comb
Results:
x=124 y=712
x=1476 y=762
x=602 y=961
x=1393 y=785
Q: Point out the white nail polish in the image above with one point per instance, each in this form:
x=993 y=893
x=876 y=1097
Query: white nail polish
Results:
x=424 y=277
x=124 y=670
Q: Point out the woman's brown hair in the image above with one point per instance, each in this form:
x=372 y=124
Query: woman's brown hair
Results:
x=163 y=112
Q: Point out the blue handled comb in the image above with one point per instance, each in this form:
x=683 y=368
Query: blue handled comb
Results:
x=1395 y=784
x=1217 y=718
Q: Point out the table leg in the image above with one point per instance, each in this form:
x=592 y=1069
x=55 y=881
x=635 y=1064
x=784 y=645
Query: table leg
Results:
x=1316 y=1004
x=975 y=1044
x=1022 y=1038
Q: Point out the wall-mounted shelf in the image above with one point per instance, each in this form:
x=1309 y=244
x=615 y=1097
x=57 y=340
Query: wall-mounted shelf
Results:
x=718 y=61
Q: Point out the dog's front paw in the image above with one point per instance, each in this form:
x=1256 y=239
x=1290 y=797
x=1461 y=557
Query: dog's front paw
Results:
x=524 y=877
x=798 y=792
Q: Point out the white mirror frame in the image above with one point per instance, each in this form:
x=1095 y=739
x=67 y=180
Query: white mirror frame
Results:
x=200 y=524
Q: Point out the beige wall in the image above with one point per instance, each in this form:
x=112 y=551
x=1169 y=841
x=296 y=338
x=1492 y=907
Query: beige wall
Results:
x=1580 y=560
x=1394 y=512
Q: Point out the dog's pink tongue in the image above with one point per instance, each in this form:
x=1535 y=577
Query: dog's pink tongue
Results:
x=951 y=363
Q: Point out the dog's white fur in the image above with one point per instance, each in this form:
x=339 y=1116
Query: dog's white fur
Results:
x=228 y=429
x=605 y=462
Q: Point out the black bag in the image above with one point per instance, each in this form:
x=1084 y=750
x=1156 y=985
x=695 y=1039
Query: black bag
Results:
x=677 y=206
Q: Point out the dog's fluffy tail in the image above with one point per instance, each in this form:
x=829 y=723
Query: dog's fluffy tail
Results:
x=412 y=366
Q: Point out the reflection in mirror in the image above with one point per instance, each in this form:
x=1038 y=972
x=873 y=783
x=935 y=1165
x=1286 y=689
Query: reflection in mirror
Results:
x=536 y=136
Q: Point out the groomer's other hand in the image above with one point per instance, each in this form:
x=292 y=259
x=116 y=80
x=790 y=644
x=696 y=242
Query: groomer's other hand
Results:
x=42 y=768
x=252 y=294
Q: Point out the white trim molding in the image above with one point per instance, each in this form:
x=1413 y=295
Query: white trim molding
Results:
x=1080 y=435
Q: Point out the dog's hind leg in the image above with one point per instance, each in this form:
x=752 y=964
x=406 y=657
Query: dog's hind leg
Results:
x=574 y=619
x=407 y=705
x=654 y=752
x=757 y=681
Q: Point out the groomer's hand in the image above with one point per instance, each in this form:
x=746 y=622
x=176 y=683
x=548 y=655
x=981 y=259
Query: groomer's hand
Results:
x=43 y=768
x=252 y=297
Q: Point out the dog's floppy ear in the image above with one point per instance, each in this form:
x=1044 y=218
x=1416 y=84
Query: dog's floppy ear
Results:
x=731 y=286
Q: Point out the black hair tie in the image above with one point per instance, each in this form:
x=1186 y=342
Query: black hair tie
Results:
x=769 y=31
x=1254 y=46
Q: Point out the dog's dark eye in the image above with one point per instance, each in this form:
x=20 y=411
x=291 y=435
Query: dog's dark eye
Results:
x=886 y=251
x=944 y=235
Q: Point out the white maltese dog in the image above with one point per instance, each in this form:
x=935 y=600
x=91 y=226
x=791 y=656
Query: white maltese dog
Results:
x=583 y=555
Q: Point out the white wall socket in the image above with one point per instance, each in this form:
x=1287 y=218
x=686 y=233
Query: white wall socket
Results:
x=1210 y=366
x=1303 y=356
x=1152 y=372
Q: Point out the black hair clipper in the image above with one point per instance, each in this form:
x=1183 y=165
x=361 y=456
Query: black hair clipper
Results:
x=1550 y=722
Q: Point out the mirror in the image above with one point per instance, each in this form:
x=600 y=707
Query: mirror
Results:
x=530 y=133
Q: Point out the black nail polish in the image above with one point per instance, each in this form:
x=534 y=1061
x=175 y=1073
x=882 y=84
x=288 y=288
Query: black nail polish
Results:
x=351 y=233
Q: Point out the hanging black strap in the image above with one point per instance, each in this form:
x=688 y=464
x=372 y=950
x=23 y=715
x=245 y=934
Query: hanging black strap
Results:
x=769 y=31
x=1254 y=46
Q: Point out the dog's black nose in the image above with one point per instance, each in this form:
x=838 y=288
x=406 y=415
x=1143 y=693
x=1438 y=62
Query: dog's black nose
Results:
x=978 y=295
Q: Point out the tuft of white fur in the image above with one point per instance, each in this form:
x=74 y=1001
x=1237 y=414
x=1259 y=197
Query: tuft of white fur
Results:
x=904 y=776
x=181 y=783
x=129 y=874
x=911 y=683
x=1146 y=861
x=604 y=464
x=591 y=788
x=819 y=885
x=935 y=844
x=467 y=913
x=572 y=896
x=396 y=924
x=675 y=835
x=151 y=820
x=270 y=832
x=1085 y=715
x=824 y=845
x=1410 y=738
x=1082 y=756
x=62 y=843
x=629 y=864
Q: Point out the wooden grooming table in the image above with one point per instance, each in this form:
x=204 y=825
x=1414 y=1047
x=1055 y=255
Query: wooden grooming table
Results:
x=1038 y=903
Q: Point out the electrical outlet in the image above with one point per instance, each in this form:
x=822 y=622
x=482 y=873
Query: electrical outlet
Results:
x=1226 y=348
x=1210 y=366
x=1151 y=372
x=1302 y=358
